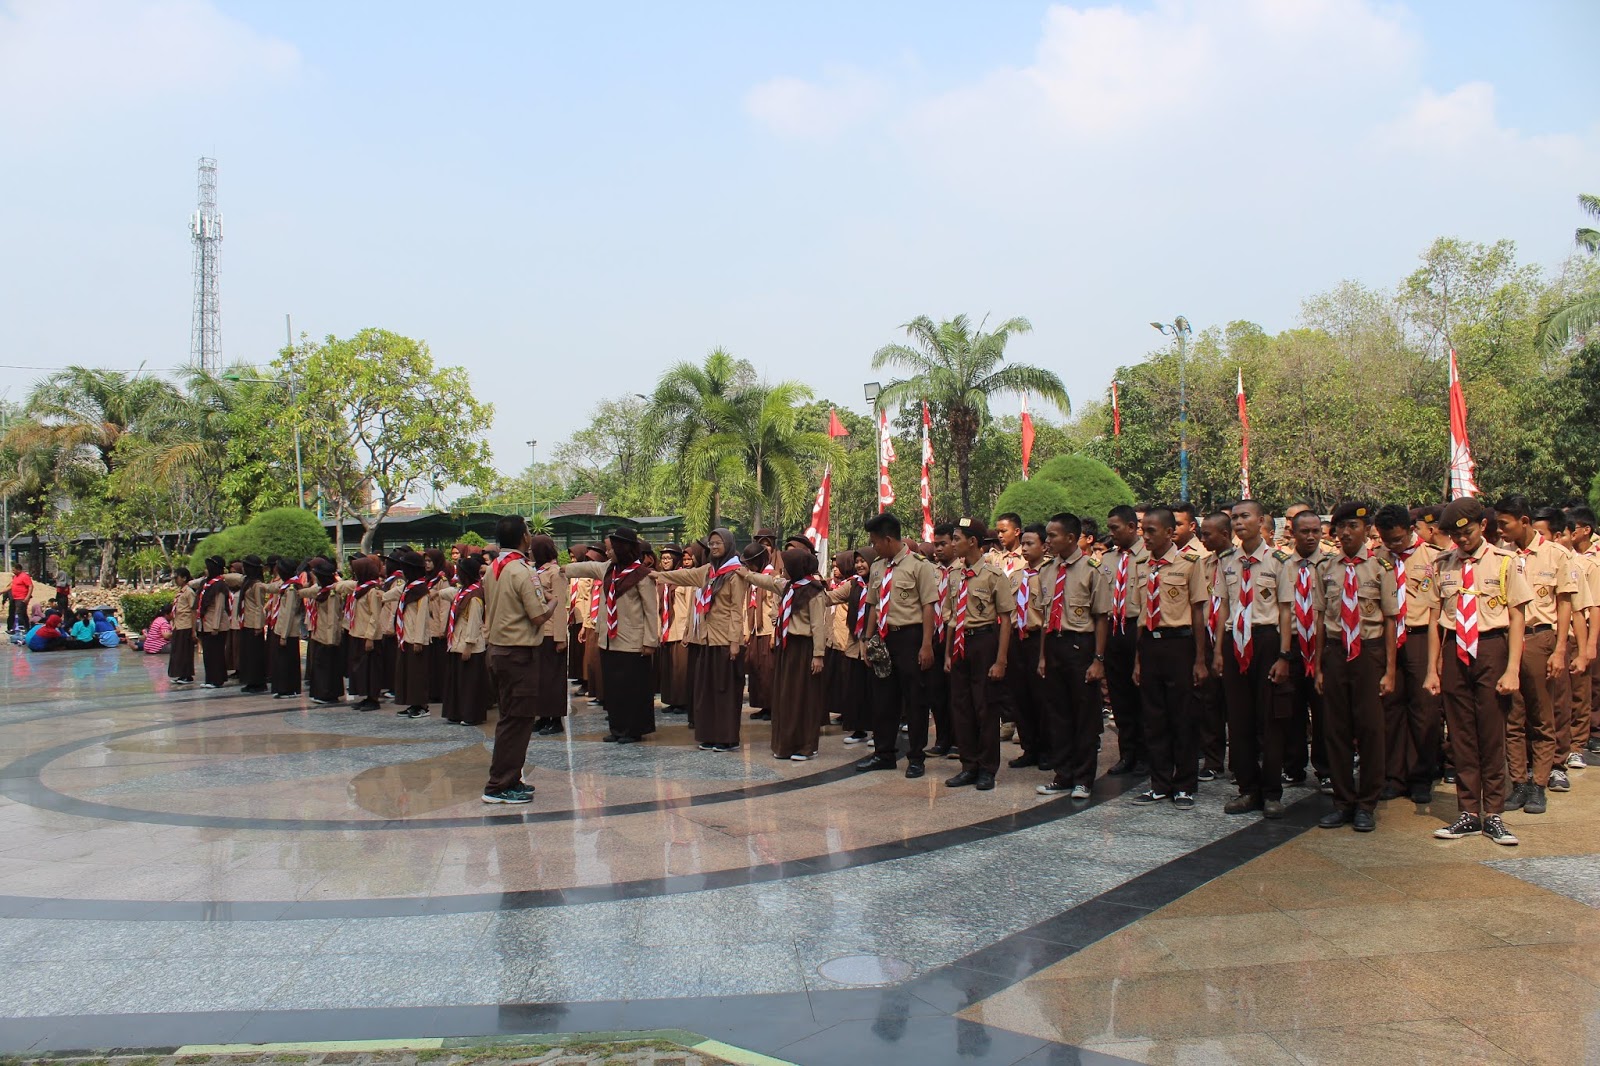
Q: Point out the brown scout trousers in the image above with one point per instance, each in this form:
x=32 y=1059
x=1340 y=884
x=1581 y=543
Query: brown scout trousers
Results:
x=1257 y=713
x=1476 y=717
x=1531 y=729
x=1352 y=721
x=1413 y=722
x=976 y=700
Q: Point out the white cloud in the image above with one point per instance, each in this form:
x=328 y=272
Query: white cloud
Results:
x=64 y=59
x=798 y=108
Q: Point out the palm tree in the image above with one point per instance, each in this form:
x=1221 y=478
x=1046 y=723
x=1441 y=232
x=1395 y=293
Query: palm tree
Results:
x=693 y=402
x=957 y=369
x=1578 y=316
x=762 y=453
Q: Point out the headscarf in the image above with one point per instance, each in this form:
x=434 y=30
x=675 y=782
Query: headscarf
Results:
x=542 y=550
x=799 y=563
x=215 y=566
x=441 y=565
x=846 y=562
x=731 y=551
x=699 y=554
x=618 y=580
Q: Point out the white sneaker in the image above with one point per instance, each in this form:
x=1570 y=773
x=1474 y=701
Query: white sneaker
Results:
x=1576 y=761
x=1080 y=792
x=801 y=758
x=853 y=739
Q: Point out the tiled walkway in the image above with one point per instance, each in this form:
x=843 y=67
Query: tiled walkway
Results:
x=185 y=867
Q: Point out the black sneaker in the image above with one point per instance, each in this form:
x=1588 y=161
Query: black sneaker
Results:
x=1210 y=775
x=1052 y=789
x=1183 y=801
x=1147 y=797
x=1518 y=796
x=416 y=712
x=1534 y=803
x=1559 y=781
x=1593 y=747
x=508 y=795
x=1496 y=830
x=1464 y=825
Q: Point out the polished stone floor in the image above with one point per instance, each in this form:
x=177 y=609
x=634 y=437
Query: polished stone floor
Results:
x=182 y=867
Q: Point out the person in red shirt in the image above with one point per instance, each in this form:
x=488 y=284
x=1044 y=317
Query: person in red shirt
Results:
x=20 y=592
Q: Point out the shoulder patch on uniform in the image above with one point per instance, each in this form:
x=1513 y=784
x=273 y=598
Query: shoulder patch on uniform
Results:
x=1226 y=551
x=1190 y=557
x=1094 y=562
x=1386 y=564
x=1280 y=555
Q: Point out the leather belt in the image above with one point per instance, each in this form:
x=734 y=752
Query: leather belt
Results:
x=1417 y=630
x=1173 y=633
x=1543 y=627
x=1485 y=634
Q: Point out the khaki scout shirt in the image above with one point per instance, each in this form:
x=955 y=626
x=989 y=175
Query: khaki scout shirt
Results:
x=638 y=620
x=843 y=635
x=1111 y=564
x=253 y=607
x=1289 y=569
x=370 y=619
x=682 y=611
x=989 y=595
x=440 y=596
x=289 y=610
x=469 y=635
x=558 y=595
x=1421 y=566
x=1494 y=576
x=913 y=586
x=811 y=622
x=183 y=605
x=1082 y=597
x=1182 y=581
x=585 y=599
x=329 y=612
x=1588 y=594
x=217 y=618
x=1550 y=571
x=416 y=613
x=1375 y=593
x=1265 y=565
x=1007 y=562
x=515 y=608
x=759 y=605
x=723 y=625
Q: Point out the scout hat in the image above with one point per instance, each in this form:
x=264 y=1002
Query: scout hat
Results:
x=1459 y=514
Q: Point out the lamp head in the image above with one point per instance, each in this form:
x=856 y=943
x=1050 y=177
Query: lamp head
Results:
x=872 y=389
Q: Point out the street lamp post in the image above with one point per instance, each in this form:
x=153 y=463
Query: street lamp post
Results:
x=1179 y=328
x=533 y=484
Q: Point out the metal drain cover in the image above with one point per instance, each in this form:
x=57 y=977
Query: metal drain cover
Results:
x=865 y=970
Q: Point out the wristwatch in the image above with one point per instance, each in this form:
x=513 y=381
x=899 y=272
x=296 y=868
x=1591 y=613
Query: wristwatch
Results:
x=1099 y=658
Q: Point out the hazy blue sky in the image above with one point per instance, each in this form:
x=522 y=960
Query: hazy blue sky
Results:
x=565 y=198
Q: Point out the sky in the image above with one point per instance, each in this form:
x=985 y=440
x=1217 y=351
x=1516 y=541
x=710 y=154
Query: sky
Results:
x=568 y=198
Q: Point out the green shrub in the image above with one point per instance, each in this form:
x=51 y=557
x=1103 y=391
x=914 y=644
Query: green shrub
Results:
x=1034 y=500
x=224 y=542
x=1093 y=488
x=139 y=608
x=472 y=538
x=285 y=531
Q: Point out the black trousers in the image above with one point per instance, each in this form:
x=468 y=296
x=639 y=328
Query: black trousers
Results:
x=939 y=695
x=1413 y=718
x=252 y=658
x=1072 y=706
x=975 y=701
x=285 y=666
x=1352 y=721
x=180 y=655
x=325 y=671
x=1171 y=712
x=214 y=657
x=1127 y=706
x=1302 y=731
x=902 y=696
x=17 y=614
x=1025 y=697
x=630 y=702
x=1256 y=711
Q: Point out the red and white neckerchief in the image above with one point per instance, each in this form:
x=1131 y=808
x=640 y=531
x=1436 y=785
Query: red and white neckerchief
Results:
x=1350 y=608
x=1304 y=616
x=1152 y=596
x=1400 y=590
x=1240 y=624
x=275 y=604
x=1213 y=614
x=351 y=600
x=883 y=600
x=938 y=606
x=611 y=597
x=786 y=607
x=755 y=592
x=703 y=595
x=594 y=600
x=200 y=614
x=502 y=561
x=1058 y=599
x=1019 y=620
x=1119 y=591
x=858 y=625
x=572 y=600
x=666 y=610
x=1467 y=614
x=311 y=612
x=455 y=609
x=400 y=608
x=958 y=638
x=236 y=608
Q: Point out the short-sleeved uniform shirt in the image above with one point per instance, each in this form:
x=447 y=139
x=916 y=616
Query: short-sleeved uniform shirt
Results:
x=1495 y=579
x=1420 y=562
x=1264 y=565
x=1083 y=595
x=913 y=584
x=1375 y=592
x=988 y=591
x=1181 y=579
x=1121 y=569
x=1550 y=571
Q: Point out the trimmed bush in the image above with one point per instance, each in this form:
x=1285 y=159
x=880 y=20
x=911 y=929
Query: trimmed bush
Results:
x=224 y=542
x=285 y=531
x=472 y=538
x=1034 y=500
x=139 y=608
x=1093 y=488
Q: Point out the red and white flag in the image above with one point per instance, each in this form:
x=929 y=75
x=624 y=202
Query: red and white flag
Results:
x=817 y=532
x=1027 y=437
x=1116 y=412
x=927 y=467
x=1461 y=470
x=885 y=457
x=1244 y=444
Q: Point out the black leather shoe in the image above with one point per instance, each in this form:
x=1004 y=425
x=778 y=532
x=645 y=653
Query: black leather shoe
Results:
x=939 y=751
x=1046 y=766
x=1365 y=822
x=1336 y=819
x=1120 y=767
x=1421 y=794
x=874 y=762
x=985 y=782
x=962 y=780
x=609 y=738
x=915 y=770
x=1027 y=758
x=1390 y=792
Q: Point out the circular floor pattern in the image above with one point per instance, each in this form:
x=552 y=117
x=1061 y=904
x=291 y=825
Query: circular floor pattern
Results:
x=865 y=971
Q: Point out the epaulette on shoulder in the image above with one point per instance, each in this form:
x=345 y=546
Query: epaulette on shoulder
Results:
x=1189 y=557
x=1385 y=563
x=1094 y=562
x=1280 y=555
x=1229 y=550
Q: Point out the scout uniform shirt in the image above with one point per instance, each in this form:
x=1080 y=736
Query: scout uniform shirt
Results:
x=760 y=608
x=218 y=618
x=415 y=614
x=1181 y=579
x=1007 y=562
x=1122 y=569
x=1084 y=595
x=253 y=607
x=1419 y=563
x=469 y=635
x=324 y=621
x=1588 y=594
x=1293 y=570
x=842 y=636
x=1025 y=592
x=811 y=622
x=723 y=624
x=1375 y=594
x=913 y=584
x=369 y=617
x=638 y=616
x=440 y=597
x=1549 y=570
x=515 y=607
x=183 y=605
x=989 y=596
x=287 y=604
x=1495 y=578
x=582 y=594
x=1265 y=566
x=557 y=593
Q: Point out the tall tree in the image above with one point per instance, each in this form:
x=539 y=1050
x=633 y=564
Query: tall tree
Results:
x=1576 y=317
x=957 y=369
x=695 y=401
x=374 y=406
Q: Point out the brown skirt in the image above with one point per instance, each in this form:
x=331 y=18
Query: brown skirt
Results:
x=411 y=673
x=551 y=694
x=677 y=683
x=180 y=655
x=574 y=654
x=324 y=671
x=285 y=659
x=847 y=689
x=466 y=689
x=718 y=686
x=758 y=666
x=796 y=700
x=438 y=655
x=591 y=666
x=366 y=669
x=387 y=648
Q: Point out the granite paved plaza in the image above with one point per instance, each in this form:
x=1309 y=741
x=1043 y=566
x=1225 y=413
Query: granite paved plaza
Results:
x=203 y=868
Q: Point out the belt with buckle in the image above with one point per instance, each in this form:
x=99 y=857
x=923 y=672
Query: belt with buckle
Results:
x=1172 y=633
x=1542 y=627
x=1485 y=634
x=1417 y=630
